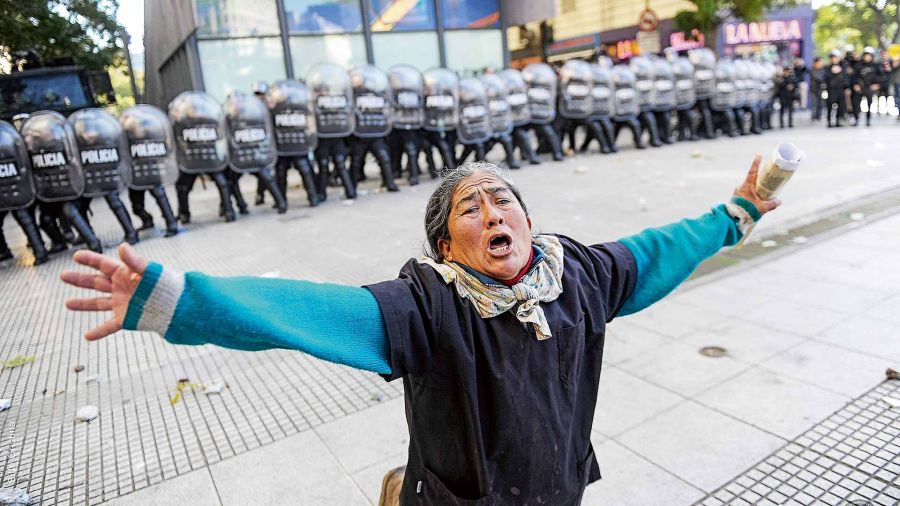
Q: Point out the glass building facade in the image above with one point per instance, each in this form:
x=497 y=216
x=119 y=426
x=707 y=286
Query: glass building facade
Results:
x=240 y=41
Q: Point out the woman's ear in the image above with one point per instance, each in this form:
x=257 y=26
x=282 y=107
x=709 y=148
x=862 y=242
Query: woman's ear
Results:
x=444 y=247
x=528 y=219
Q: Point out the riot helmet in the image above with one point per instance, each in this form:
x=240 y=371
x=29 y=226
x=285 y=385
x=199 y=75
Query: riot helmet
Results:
x=408 y=99
x=56 y=168
x=260 y=88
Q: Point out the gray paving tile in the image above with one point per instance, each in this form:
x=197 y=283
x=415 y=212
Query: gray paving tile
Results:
x=625 y=340
x=369 y=479
x=299 y=469
x=629 y=479
x=744 y=341
x=866 y=335
x=681 y=368
x=672 y=318
x=888 y=311
x=625 y=400
x=835 y=369
x=195 y=488
x=351 y=438
x=699 y=445
x=773 y=402
x=715 y=297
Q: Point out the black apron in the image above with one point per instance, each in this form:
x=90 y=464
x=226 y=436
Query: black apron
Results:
x=496 y=416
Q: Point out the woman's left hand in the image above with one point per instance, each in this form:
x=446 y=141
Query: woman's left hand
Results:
x=747 y=189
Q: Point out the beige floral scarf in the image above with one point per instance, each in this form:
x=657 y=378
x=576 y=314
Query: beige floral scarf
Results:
x=543 y=283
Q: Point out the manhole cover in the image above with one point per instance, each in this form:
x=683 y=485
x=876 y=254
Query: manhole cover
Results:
x=713 y=351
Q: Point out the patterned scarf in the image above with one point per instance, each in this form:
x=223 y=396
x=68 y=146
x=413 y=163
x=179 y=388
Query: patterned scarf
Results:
x=542 y=283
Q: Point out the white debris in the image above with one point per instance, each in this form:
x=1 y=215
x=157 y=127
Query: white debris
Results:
x=874 y=163
x=5 y=404
x=800 y=239
x=93 y=378
x=893 y=402
x=581 y=169
x=696 y=153
x=857 y=216
x=642 y=202
x=272 y=274
x=768 y=244
x=14 y=497
x=348 y=202
x=86 y=413
x=215 y=388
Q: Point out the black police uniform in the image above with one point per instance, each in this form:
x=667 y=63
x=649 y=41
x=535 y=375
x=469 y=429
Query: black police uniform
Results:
x=836 y=81
x=496 y=416
x=868 y=77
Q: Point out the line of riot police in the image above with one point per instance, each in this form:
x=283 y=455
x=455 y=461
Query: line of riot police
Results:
x=53 y=167
x=847 y=79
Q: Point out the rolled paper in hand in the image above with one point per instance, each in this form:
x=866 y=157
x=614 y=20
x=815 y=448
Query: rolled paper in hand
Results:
x=778 y=170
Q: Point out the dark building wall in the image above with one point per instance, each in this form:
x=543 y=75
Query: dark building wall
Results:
x=168 y=25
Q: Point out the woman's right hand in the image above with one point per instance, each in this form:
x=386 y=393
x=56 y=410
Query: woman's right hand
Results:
x=116 y=280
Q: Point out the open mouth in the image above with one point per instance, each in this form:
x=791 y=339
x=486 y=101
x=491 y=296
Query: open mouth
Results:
x=500 y=245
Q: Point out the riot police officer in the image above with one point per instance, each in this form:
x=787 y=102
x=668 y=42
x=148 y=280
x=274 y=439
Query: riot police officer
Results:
x=335 y=121
x=627 y=109
x=575 y=103
x=260 y=88
x=372 y=105
x=685 y=96
x=704 y=61
x=103 y=154
x=500 y=116
x=198 y=124
x=664 y=97
x=786 y=86
x=474 y=128
x=602 y=106
x=408 y=111
x=724 y=98
x=836 y=82
x=541 y=81
x=868 y=80
x=295 y=134
x=251 y=144
x=517 y=98
x=58 y=177
x=645 y=88
x=442 y=112
x=151 y=151
x=17 y=193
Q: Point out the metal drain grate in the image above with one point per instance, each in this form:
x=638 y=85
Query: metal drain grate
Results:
x=853 y=457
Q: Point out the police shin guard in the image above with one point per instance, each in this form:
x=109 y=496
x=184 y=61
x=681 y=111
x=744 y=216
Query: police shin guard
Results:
x=755 y=126
x=358 y=151
x=706 y=118
x=232 y=178
x=35 y=242
x=182 y=189
x=383 y=158
x=508 y=151
x=606 y=126
x=224 y=196
x=663 y=121
x=309 y=180
x=50 y=226
x=635 y=126
x=340 y=163
x=71 y=212
x=121 y=214
x=261 y=193
x=5 y=253
x=740 y=120
x=548 y=134
x=522 y=140
x=281 y=173
x=267 y=179
x=411 y=149
x=446 y=152
x=648 y=123
x=139 y=209
x=162 y=200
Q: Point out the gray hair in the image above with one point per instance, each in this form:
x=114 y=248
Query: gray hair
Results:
x=437 y=212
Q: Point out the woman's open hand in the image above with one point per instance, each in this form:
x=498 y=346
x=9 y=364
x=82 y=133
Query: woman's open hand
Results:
x=747 y=189
x=116 y=280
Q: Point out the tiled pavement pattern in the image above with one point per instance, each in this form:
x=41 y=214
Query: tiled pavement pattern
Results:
x=805 y=334
x=851 y=457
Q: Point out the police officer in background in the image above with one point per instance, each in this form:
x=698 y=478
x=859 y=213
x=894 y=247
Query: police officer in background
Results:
x=259 y=89
x=836 y=82
x=851 y=66
x=868 y=81
x=786 y=84
x=817 y=86
x=372 y=106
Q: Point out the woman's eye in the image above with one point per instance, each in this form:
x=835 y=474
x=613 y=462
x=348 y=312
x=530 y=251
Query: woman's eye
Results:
x=503 y=202
x=470 y=210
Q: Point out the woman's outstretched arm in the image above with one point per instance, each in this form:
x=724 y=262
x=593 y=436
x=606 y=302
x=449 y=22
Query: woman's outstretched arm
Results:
x=666 y=256
x=338 y=323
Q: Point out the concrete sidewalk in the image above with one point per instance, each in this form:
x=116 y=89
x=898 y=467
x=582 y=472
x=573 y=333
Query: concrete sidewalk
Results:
x=805 y=334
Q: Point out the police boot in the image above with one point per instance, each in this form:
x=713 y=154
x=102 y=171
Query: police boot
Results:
x=426 y=146
x=162 y=200
x=86 y=233
x=755 y=126
x=635 y=126
x=118 y=209
x=730 y=124
x=596 y=130
x=663 y=121
x=387 y=173
x=526 y=151
x=358 y=152
x=268 y=181
x=235 y=190
x=606 y=126
x=224 y=196
x=25 y=220
x=508 y=150
x=549 y=136
x=5 y=253
x=139 y=209
x=260 y=193
x=309 y=181
x=447 y=155
x=347 y=182
x=49 y=225
x=411 y=148
x=709 y=129
x=184 y=206
x=648 y=121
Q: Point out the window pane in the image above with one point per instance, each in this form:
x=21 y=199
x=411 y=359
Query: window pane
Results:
x=390 y=15
x=323 y=16
x=235 y=64
x=472 y=51
x=345 y=50
x=237 y=17
x=471 y=13
x=393 y=48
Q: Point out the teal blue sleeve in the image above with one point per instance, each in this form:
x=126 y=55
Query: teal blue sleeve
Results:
x=341 y=324
x=666 y=256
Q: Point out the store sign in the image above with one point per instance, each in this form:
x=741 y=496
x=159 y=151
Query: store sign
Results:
x=649 y=42
x=623 y=49
x=648 y=20
x=679 y=41
x=764 y=31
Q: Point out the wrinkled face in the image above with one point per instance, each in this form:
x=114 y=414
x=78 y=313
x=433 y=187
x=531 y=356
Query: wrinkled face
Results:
x=489 y=231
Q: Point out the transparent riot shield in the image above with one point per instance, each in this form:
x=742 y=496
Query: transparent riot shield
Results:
x=626 y=101
x=251 y=139
x=198 y=125
x=602 y=99
x=102 y=152
x=16 y=186
x=664 y=81
x=685 y=90
x=517 y=96
x=55 y=166
x=474 y=120
x=541 y=81
x=725 y=96
x=332 y=100
x=441 y=99
x=290 y=104
x=498 y=106
x=371 y=100
x=644 y=81
x=575 y=80
x=704 y=61
x=407 y=97
x=150 y=145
